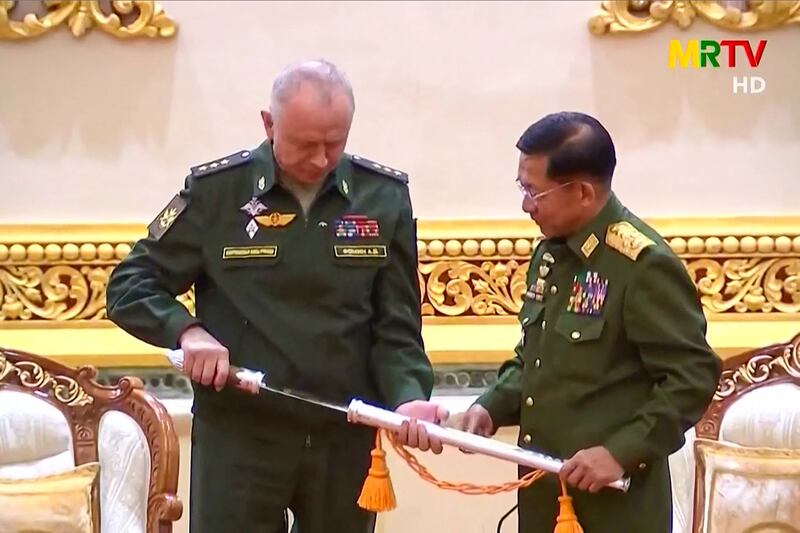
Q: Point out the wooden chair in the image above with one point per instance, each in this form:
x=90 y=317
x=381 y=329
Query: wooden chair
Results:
x=757 y=404
x=57 y=417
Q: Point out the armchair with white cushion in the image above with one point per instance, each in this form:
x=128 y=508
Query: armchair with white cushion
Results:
x=739 y=470
x=54 y=418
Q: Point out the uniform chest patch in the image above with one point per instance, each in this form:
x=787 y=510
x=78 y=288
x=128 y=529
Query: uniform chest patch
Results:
x=275 y=219
x=366 y=251
x=588 y=294
x=357 y=226
x=249 y=252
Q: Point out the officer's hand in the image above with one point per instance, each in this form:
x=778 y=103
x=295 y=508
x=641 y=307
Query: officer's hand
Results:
x=205 y=360
x=416 y=435
x=591 y=469
x=475 y=420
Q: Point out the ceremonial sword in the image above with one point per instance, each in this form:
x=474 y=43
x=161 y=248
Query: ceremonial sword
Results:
x=359 y=412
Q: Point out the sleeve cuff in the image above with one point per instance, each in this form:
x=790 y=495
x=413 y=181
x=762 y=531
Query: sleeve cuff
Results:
x=501 y=407
x=629 y=448
x=176 y=324
x=406 y=394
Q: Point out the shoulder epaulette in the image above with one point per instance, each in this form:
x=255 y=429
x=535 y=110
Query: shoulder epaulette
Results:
x=381 y=169
x=168 y=215
x=224 y=163
x=627 y=240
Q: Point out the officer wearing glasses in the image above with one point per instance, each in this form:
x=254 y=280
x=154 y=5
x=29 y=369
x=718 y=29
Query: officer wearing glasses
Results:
x=612 y=366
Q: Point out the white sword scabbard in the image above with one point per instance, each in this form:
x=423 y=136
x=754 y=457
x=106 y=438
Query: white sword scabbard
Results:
x=362 y=413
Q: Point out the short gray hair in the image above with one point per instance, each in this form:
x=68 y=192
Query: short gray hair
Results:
x=323 y=74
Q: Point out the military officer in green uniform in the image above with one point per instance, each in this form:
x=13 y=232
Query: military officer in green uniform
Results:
x=304 y=265
x=612 y=366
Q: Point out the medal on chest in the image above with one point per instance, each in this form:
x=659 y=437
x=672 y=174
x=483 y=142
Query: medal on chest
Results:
x=588 y=294
x=537 y=290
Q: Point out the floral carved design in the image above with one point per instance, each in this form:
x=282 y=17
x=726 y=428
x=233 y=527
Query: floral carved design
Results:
x=57 y=293
x=748 y=285
x=457 y=277
x=758 y=369
x=632 y=16
x=127 y=18
x=32 y=376
x=456 y=288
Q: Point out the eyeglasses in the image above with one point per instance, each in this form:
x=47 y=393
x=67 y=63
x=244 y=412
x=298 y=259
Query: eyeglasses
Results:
x=528 y=192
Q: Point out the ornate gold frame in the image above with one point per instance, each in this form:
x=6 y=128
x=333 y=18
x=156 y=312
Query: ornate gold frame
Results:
x=633 y=16
x=471 y=272
x=82 y=15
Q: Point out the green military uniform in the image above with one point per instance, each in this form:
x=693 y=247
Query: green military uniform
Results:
x=325 y=303
x=613 y=353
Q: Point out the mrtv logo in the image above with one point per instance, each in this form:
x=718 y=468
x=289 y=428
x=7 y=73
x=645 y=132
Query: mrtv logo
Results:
x=719 y=54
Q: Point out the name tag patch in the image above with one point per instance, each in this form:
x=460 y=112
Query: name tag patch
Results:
x=365 y=251
x=249 y=252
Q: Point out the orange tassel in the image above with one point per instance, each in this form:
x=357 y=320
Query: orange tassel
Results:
x=377 y=494
x=566 y=522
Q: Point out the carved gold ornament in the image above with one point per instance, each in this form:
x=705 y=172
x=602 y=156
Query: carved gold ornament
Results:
x=31 y=375
x=128 y=18
x=457 y=288
x=56 y=293
x=748 y=285
x=458 y=277
x=760 y=368
x=630 y=16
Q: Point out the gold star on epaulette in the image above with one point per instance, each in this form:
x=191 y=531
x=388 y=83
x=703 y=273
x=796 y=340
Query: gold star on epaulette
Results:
x=217 y=165
x=381 y=169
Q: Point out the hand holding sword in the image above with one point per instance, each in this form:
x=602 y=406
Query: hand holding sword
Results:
x=359 y=412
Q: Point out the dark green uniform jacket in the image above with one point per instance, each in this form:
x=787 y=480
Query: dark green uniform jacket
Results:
x=326 y=303
x=613 y=353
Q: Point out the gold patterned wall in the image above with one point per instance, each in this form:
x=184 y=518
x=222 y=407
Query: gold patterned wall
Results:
x=747 y=270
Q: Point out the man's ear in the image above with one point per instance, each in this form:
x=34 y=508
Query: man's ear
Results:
x=589 y=192
x=269 y=124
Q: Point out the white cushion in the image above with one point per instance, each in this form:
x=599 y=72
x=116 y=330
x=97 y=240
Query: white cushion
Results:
x=124 y=474
x=681 y=469
x=767 y=417
x=35 y=438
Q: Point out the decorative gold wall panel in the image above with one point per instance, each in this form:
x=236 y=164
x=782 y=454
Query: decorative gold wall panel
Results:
x=127 y=18
x=631 y=16
x=46 y=277
x=471 y=274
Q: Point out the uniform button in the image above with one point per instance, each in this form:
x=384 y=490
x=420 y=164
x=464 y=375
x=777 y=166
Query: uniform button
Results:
x=576 y=335
x=537 y=363
x=525 y=321
x=553 y=289
x=642 y=466
x=544 y=324
x=529 y=401
x=526 y=439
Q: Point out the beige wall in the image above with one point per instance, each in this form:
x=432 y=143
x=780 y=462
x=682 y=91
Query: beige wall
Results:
x=100 y=130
